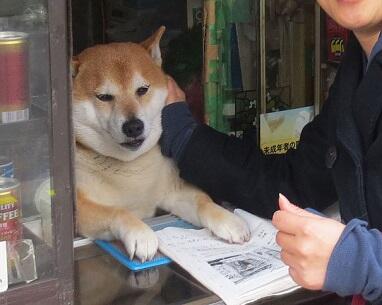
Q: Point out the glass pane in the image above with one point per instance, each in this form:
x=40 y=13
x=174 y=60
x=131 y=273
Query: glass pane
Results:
x=289 y=54
x=334 y=39
x=25 y=196
x=230 y=65
x=115 y=284
x=289 y=84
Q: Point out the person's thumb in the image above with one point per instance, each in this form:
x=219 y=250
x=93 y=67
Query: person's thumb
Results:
x=286 y=205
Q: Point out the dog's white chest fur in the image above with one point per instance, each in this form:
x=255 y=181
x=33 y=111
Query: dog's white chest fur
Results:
x=119 y=91
x=139 y=185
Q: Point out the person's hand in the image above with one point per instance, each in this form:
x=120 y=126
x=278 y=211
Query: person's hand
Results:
x=175 y=94
x=307 y=242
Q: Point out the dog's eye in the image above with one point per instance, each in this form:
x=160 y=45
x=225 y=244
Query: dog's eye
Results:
x=142 y=90
x=105 y=97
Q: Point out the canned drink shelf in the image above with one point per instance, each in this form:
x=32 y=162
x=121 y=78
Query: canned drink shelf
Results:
x=26 y=144
x=44 y=259
x=36 y=124
x=37 y=142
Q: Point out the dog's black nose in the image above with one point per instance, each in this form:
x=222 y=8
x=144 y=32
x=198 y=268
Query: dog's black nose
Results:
x=133 y=128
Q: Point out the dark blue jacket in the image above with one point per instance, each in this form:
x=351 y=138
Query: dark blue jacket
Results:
x=339 y=157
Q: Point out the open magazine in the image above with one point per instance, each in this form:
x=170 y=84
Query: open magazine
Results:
x=238 y=274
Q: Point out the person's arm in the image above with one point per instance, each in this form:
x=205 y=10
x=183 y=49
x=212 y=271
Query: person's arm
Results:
x=235 y=170
x=355 y=266
x=323 y=253
x=177 y=122
x=178 y=125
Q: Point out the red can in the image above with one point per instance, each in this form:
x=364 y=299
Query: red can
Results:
x=10 y=209
x=14 y=89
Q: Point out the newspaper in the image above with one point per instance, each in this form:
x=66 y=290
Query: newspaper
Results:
x=238 y=274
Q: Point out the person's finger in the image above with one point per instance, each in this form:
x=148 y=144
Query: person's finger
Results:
x=175 y=93
x=286 y=205
x=170 y=78
x=171 y=83
x=288 y=222
x=307 y=281
x=179 y=91
x=295 y=276
x=286 y=241
x=289 y=259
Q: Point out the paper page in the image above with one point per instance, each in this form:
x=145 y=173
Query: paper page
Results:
x=280 y=286
x=229 y=270
x=261 y=229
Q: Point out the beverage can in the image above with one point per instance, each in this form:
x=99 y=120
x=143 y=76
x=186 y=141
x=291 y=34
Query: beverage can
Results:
x=6 y=167
x=14 y=80
x=10 y=209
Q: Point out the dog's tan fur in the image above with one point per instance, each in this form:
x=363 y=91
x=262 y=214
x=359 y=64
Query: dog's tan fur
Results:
x=118 y=186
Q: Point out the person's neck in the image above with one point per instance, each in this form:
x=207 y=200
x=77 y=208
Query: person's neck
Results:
x=367 y=40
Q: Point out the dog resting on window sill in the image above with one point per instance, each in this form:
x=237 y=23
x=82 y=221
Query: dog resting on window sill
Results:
x=119 y=91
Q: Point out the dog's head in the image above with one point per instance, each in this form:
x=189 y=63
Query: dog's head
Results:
x=119 y=91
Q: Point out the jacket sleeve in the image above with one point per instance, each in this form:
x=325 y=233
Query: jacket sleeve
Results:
x=355 y=266
x=236 y=170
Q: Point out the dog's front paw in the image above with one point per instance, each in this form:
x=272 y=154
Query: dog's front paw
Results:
x=140 y=241
x=227 y=226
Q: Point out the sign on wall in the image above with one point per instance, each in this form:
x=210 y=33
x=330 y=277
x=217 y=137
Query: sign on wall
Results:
x=280 y=131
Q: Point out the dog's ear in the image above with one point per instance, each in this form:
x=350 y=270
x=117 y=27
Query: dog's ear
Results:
x=75 y=65
x=151 y=44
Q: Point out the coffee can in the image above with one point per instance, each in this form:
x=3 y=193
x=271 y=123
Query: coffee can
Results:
x=10 y=209
x=14 y=77
x=6 y=167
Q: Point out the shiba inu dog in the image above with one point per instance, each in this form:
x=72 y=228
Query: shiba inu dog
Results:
x=119 y=91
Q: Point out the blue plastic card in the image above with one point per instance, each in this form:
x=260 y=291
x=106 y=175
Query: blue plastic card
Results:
x=117 y=250
x=120 y=255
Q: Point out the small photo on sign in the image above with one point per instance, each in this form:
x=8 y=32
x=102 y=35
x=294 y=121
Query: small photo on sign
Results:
x=280 y=131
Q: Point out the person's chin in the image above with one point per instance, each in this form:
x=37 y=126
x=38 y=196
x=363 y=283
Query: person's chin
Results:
x=353 y=20
x=349 y=1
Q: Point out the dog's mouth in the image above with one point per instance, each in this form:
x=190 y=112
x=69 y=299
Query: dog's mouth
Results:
x=132 y=144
